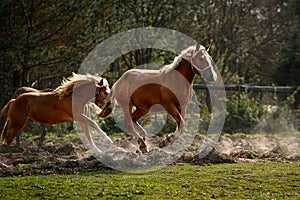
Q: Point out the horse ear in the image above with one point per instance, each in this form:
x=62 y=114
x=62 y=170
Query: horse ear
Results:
x=207 y=47
x=100 y=82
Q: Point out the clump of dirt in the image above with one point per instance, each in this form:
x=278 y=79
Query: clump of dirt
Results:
x=285 y=148
x=59 y=157
x=70 y=156
x=233 y=149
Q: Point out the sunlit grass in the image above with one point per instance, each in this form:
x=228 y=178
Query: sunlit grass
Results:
x=225 y=181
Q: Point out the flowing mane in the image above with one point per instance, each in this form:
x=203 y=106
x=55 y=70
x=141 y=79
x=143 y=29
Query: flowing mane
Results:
x=184 y=54
x=73 y=82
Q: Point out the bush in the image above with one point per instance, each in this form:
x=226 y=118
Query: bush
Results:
x=109 y=125
x=279 y=119
x=243 y=113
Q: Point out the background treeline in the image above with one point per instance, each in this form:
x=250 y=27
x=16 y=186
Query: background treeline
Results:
x=253 y=41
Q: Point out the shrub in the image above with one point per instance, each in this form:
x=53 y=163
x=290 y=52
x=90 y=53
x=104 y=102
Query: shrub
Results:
x=243 y=113
x=109 y=125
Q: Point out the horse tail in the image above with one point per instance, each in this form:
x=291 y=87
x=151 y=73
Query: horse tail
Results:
x=4 y=119
x=109 y=106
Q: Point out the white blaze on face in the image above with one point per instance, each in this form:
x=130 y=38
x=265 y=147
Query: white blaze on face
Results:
x=107 y=88
x=210 y=64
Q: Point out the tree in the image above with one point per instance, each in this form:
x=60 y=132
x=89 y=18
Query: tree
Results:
x=40 y=41
x=288 y=71
x=118 y=16
x=246 y=36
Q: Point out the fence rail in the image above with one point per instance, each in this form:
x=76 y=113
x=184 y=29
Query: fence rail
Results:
x=240 y=88
x=274 y=89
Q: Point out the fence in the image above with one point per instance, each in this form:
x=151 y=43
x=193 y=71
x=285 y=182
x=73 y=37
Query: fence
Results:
x=247 y=88
x=240 y=88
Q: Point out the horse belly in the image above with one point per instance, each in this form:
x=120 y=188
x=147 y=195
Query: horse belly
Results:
x=153 y=97
x=53 y=118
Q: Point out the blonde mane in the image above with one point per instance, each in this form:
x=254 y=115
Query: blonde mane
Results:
x=76 y=80
x=187 y=54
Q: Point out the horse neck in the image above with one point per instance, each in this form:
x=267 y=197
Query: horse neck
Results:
x=85 y=91
x=185 y=69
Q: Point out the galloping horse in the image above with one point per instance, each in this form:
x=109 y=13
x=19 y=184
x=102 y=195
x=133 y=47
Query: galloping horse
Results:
x=22 y=90
x=170 y=88
x=56 y=107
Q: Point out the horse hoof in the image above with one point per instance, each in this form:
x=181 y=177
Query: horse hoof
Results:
x=138 y=152
x=169 y=139
x=141 y=142
x=162 y=144
x=144 y=149
x=142 y=145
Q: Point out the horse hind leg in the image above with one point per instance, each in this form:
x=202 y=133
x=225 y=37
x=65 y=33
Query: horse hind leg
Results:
x=129 y=125
x=138 y=113
x=15 y=126
x=85 y=129
x=4 y=119
x=175 y=113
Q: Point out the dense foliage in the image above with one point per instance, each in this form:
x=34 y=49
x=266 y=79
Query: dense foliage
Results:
x=243 y=114
x=43 y=41
x=253 y=42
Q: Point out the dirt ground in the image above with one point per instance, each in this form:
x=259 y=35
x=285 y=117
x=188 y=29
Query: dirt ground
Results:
x=70 y=156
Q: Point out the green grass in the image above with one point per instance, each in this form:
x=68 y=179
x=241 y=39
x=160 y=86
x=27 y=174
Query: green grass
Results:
x=225 y=181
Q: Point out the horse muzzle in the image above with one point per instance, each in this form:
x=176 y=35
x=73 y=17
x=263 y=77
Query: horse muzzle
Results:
x=210 y=75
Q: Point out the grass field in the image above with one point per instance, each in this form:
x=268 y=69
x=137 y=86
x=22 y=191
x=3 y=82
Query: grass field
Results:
x=266 y=180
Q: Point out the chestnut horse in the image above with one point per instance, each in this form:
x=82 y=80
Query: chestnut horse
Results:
x=56 y=107
x=168 y=89
x=24 y=89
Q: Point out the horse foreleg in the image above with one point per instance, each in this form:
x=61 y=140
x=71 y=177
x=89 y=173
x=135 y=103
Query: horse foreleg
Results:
x=89 y=122
x=18 y=140
x=86 y=131
x=95 y=108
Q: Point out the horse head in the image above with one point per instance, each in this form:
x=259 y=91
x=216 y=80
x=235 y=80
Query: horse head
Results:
x=102 y=91
x=203 y=64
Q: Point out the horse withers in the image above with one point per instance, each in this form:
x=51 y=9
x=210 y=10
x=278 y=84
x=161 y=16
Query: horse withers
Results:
x=169 y=87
